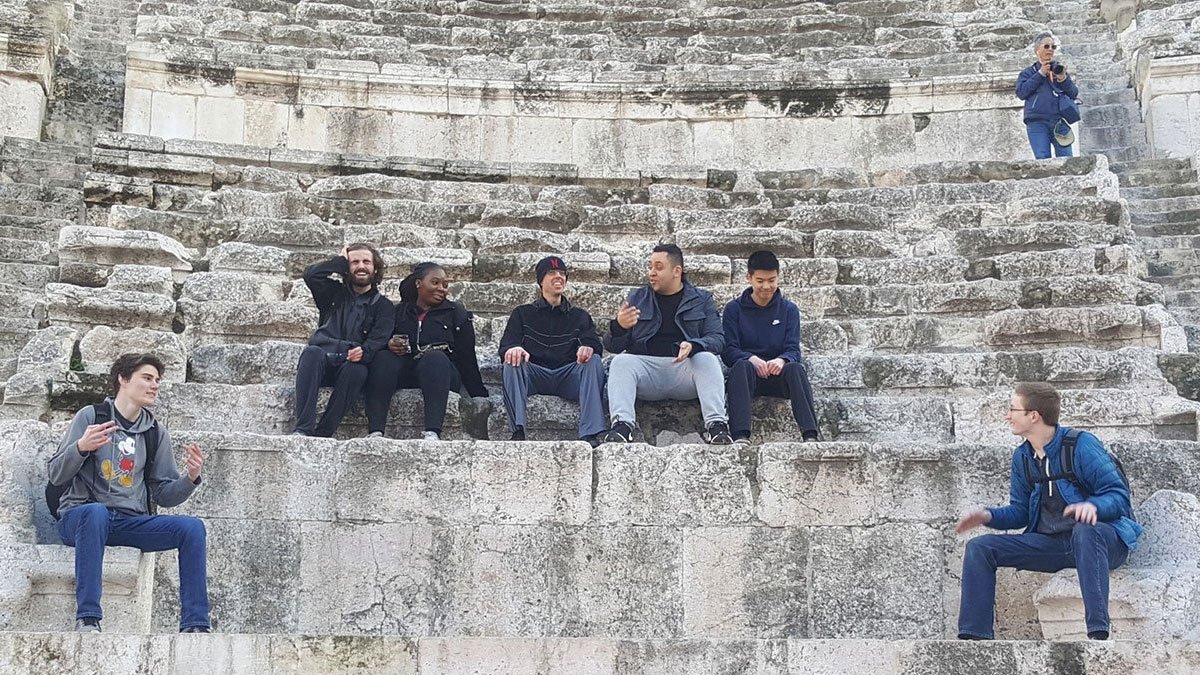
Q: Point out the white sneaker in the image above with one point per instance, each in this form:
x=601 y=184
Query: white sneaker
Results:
x=88 y=625
x=375 y=434
x=431 y=436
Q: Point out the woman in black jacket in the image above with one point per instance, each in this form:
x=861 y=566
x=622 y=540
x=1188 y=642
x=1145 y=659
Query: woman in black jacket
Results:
x=432 y=349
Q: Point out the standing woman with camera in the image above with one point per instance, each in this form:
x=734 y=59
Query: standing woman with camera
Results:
x=1049 y=95
x=432 y=349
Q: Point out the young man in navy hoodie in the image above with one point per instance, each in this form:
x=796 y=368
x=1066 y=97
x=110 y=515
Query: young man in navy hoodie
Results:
x=762 y=350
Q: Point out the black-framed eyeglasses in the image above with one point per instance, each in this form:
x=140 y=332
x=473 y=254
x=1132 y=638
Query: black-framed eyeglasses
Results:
x=1050 y=47
x=1020 y=410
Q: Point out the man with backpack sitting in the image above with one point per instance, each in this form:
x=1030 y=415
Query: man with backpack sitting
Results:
x=1071 y=498
x=113 y=462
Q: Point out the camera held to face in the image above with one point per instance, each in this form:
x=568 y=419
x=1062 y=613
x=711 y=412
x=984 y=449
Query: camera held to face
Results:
x=1057 y=68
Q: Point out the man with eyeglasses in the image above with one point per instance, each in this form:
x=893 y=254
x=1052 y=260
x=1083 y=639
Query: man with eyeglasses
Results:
x=1072 y=516
x=1045 y=86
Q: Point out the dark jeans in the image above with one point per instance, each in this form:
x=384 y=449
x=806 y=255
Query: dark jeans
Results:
x=1041 y=139
x=91 y=527
x=744 y=384
x=314 y=372
x=434 y=374
x=1091 y=549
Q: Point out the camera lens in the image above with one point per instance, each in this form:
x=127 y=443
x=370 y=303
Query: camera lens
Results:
x=1057 y=68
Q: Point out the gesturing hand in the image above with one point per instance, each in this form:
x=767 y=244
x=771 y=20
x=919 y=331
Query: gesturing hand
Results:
x=584 y=354
x=685 y=350
x=627 y=317
x=1084 y=512
x=193 y=460
x=973 y=520
x=516 y=356
x=95 y=436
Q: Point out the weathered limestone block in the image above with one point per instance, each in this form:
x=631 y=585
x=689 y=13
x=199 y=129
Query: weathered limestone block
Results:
x=815 y=484
x=402 y=235
x=1109 y=413
x=226 y=286
x=499 y=299
x=1123 y=259
x=558 y=218
x=189 y=229
x=83 y=308
x=102 y=345
x=702 y=269
x=1089 y=290
x=142 y=279
x=877 y=272
x=107 y=188
x=501 y=239
x=370 y=186
x=858 y=244
x=46 y=356
x=745 y=582
x=459 y=263
x=640 y=220
x=247 y=322
x=1063 y=208
x=235 y=256
x=460 y=192
x=842 y=604
x=103 y=247
x=1060 y=263
x=255 y=409
x=589 y=267
x=1103 y=327
x=873 y=418
x=504 y=483
x=816 y=217
x=303 y=233
x=268 y=362
x=991 y=241
x=741 y=242
x=684 y=220
x=676 y=485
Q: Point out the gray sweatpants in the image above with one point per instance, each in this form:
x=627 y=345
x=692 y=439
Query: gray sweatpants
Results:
x=656 y=378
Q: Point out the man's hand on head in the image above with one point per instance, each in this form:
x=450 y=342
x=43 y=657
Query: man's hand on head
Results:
x=345 y=253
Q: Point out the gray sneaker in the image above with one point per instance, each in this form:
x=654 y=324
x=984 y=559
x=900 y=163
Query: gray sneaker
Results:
x=431 y=436
x=375 y=434
x=87 y=625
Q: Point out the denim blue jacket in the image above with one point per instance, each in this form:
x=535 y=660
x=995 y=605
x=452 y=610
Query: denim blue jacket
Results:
x=1095 y=470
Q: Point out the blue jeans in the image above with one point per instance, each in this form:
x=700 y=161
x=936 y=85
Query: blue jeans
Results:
x=573 y=381
x=1041 y=139
x=1091 y=549
x=91 y=527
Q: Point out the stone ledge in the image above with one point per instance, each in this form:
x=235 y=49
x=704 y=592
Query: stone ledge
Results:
x=317 y=654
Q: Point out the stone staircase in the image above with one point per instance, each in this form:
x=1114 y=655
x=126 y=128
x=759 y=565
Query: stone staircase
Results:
x=1112 y=120
x=89 y=73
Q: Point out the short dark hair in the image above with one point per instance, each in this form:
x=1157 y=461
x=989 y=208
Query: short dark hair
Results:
x=128 y=364
x=1043 y=399
x=673 y=253
x=762 y=260
x=376 y=259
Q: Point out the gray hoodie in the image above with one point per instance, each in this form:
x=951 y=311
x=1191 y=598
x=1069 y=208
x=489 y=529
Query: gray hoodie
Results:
x=115 y=476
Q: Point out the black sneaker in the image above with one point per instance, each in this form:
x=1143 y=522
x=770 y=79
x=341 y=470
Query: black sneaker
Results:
x=593 y=440
x=1098 y=635
x=196 y=629
x=809 y=437
x=88 y=624
x=621 y=432
x=518 y=435
x=717 y=433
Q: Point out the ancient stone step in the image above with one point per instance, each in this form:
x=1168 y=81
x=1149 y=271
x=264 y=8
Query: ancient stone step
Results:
x=315 y=653
x=135 y=297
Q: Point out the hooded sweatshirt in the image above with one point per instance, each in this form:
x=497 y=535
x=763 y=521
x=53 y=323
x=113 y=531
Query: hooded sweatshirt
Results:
x=114 y=475
x=766 y=332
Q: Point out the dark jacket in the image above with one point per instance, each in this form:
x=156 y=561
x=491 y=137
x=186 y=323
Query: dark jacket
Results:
x=1041 y=94
x=766 y=332
x=552 y=335
x=697 y=317
x=1095 y=470
x=335 y=301
x=447 y=324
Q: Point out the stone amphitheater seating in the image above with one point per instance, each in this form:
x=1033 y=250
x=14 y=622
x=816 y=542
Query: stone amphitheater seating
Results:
x=258 y=137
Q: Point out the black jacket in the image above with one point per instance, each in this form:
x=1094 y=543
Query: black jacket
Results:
x=552 y=335
x=335 y=300
x=697 y=317
x=450 y=324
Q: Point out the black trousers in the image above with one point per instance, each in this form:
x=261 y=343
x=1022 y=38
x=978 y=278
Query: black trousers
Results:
x=744 y=384
x=313 y=372
x=434 y=374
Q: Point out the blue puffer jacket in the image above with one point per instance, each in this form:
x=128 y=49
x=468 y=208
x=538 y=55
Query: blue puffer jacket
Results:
x=1041 y=94
x=1095 y=470
x=697 y=317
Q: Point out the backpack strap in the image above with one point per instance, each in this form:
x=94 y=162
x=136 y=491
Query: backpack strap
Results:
x=1066 y=460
